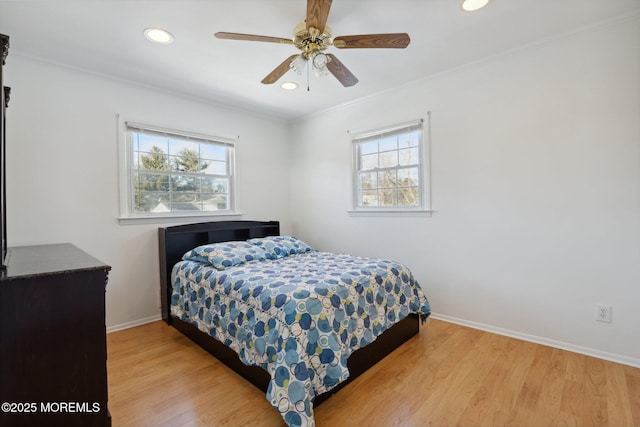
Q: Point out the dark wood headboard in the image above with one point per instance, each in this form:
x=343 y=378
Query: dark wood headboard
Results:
x=175 y=241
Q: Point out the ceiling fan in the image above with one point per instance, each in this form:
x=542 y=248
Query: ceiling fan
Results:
x=313 y=37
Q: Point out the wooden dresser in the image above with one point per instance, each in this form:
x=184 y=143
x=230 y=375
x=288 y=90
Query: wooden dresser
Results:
x=53 y=351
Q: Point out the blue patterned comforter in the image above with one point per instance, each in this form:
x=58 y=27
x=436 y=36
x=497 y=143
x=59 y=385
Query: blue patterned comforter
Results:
x=298 y=317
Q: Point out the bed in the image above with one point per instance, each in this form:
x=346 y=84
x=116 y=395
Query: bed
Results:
x=297 y=323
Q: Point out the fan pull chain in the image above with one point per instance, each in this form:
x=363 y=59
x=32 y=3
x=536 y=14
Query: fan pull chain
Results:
x=308 y=72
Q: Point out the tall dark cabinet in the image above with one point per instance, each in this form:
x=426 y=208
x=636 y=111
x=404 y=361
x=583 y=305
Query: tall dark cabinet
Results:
x=53 y=351
x=4 y=101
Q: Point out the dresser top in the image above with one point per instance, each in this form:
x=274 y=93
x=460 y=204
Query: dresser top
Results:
x=60 y=258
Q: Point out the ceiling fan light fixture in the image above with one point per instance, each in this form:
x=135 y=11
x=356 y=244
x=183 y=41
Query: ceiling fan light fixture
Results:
x=289 y=85
x=158 y=35
x=298 y=64
x=320 y=61
x=320 y=72
x=473 y=5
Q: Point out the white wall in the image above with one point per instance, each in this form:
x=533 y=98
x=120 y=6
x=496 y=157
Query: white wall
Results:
x=536 y=190
x=62 y=172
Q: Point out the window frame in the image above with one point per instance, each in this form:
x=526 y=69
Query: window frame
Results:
x=424 y=169
x=128 y=214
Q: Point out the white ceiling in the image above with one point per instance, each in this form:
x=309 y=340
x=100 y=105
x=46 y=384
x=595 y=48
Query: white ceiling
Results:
x=106 y=37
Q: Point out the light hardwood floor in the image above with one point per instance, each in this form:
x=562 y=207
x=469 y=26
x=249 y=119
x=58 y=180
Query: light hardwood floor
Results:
x=448 y=375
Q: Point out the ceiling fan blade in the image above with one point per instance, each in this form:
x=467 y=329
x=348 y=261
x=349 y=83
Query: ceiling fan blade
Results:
x=394 y=41
x=251 y=37
x=279 y=71
x=340 y=72
x=317 y=13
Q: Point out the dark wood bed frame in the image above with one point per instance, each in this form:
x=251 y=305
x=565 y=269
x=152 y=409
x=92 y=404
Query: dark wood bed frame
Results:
x=175 y=241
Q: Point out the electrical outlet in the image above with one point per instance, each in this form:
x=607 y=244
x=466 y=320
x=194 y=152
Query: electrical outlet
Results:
x=603 y=313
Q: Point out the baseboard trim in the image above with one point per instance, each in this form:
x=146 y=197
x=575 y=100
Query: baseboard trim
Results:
x=587 y=351
x=133 y=323
x=612 y=357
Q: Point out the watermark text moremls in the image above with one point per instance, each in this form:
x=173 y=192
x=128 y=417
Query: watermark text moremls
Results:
x=69 y=407
x=50 y=407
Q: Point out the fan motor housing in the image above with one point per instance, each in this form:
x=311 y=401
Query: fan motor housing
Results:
x=309 y=45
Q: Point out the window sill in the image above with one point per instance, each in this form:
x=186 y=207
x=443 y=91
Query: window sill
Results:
x=391 y=213
x=158 y=219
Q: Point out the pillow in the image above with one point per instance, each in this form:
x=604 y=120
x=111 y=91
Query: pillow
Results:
x=281 y=246
x=226 y=254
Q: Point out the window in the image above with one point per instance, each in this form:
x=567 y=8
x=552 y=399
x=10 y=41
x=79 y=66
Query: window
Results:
x=389 y=169
x=173 y=173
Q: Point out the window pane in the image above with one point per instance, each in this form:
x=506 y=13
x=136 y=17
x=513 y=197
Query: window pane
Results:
x=409 y=139
x=215 y=167
x=389 y=143
x=146 y=142
x=134 y=137
x=213 y=152
x=188 y=160
x=369 y=162
x=409 y=156
x=185 y=203
x=388 y=197
x=389 y=159
x=369 y=198
x=215 y=185
x=368 y=147
x=151 y=182
x=368 y=180
x=184 y=184
x=153 y=201
x=408 y=177
x=154 y=159
x=387 y=179
x=408 y=196
x=214 y=202
x=177 y=145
